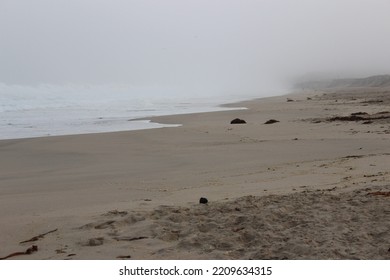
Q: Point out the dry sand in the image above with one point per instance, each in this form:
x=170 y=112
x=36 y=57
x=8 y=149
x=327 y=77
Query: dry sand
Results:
x=310 y=186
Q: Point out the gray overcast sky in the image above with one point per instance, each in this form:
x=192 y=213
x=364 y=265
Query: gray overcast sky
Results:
x=211 y=43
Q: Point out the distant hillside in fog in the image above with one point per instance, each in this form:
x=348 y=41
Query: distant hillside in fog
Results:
x=372 y=81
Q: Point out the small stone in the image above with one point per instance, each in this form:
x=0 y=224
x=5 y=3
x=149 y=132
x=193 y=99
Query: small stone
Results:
x=203 y=200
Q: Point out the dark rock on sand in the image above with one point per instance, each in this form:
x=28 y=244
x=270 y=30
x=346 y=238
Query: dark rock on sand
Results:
x=271 y=121
x=203 y=200
x=237 y=121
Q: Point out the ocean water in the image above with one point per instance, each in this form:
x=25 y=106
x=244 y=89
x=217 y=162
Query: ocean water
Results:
x=48 y=110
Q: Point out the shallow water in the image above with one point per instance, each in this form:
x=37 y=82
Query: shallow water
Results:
x=34 y=111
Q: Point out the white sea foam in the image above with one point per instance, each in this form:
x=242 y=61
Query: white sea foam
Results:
x=33 y=111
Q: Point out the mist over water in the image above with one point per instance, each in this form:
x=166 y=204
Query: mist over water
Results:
x=33 y=111
x=44 y=96
x=116 y=58
x=217 y=45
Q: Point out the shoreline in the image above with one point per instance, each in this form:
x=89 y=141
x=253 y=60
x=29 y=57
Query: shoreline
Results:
x=66 y=182
x=126 y=123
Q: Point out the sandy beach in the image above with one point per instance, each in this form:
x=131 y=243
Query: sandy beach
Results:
x=313 y=185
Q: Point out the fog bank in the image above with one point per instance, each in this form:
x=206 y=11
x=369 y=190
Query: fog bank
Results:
x=192 y=46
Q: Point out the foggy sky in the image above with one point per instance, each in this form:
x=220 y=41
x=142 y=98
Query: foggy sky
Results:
x=218 y=44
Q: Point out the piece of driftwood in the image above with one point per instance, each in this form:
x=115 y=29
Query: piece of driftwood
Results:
x=29 y=251
x=124 y=257
x=125 y=238
x=35 y=238
x=380 y=193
